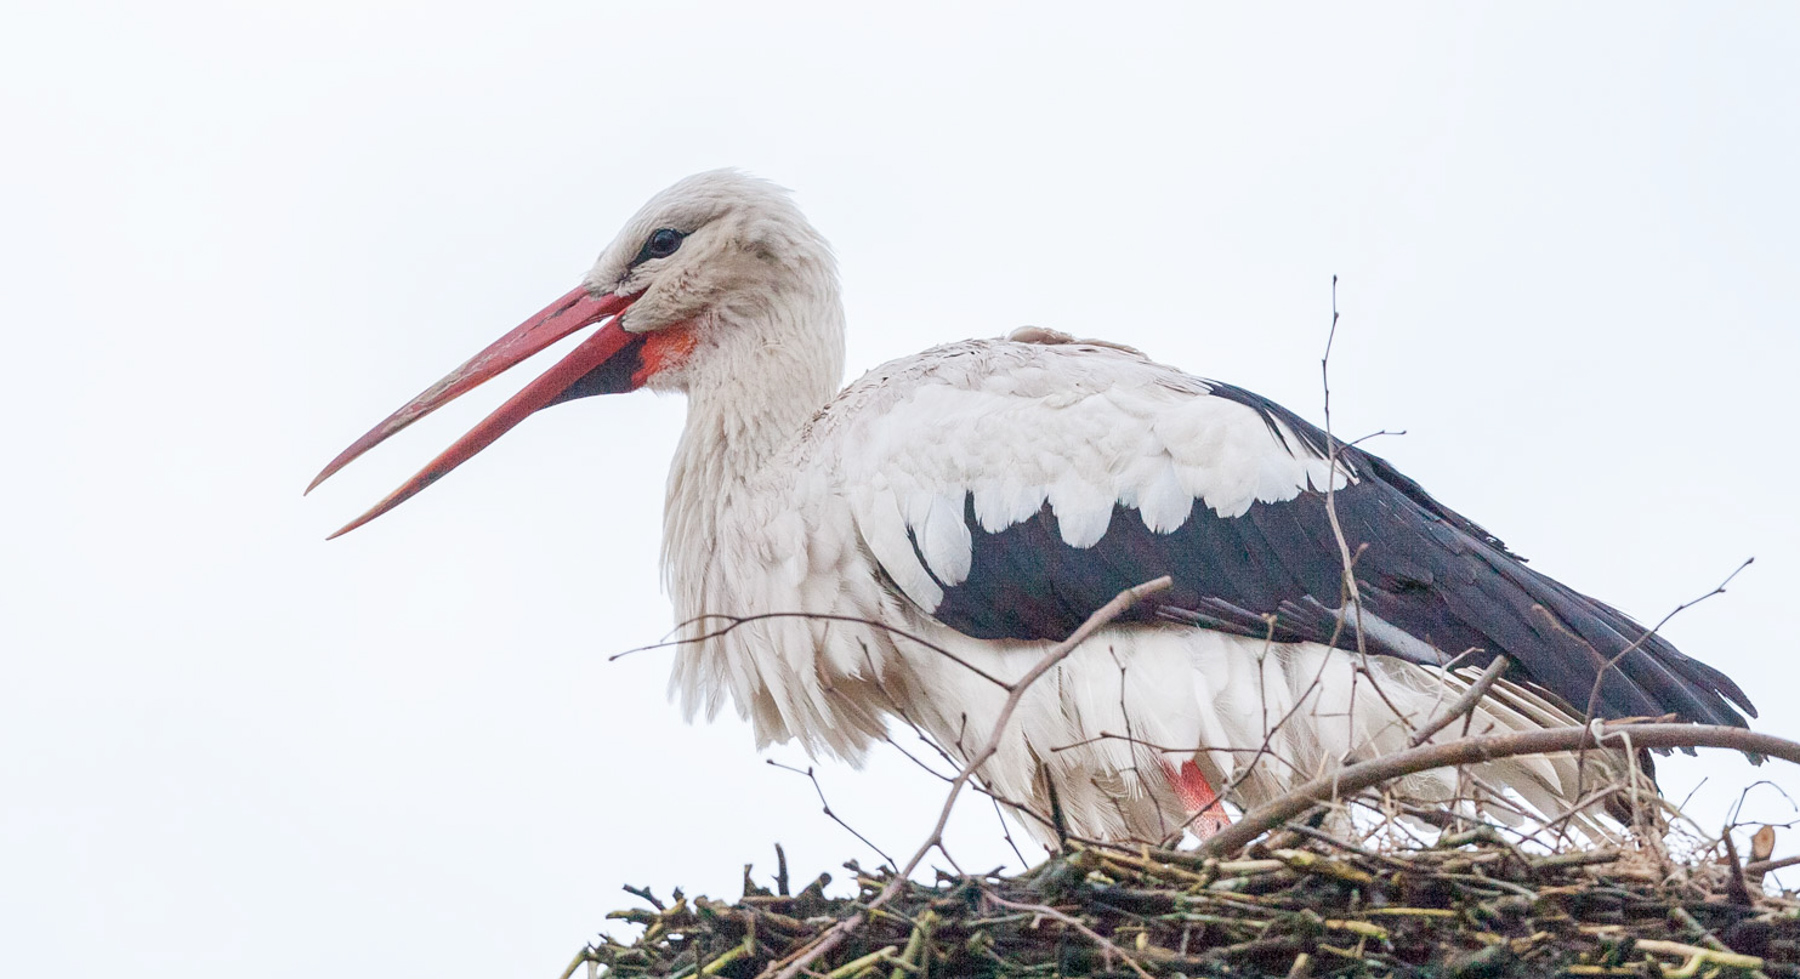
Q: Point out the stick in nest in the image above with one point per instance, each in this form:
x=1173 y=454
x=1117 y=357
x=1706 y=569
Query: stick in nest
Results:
x=1349 y=781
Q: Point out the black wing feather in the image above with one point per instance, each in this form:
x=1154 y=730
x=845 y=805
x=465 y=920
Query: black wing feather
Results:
x=1275 y=571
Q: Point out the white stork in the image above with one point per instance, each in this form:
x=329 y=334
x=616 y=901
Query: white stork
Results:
x=963 y=509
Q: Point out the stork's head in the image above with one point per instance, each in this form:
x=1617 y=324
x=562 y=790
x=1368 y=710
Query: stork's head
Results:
x=710 y=272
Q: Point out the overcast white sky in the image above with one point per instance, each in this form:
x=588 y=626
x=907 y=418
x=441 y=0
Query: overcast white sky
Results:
x=233 y=236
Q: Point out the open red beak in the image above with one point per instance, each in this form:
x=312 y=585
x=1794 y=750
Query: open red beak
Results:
x=604 y=363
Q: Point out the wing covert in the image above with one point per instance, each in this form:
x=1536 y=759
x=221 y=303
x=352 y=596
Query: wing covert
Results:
x=1011 y=501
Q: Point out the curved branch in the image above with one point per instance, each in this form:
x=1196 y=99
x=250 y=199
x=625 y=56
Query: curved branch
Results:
x=1349 y=781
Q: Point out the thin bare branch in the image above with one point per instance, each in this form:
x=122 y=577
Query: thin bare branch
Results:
x=734 y=621
x=1371 y=436
x=1006 y=833
x=1349 y=781
x=1593 y=703
x=825 y=806
x=1464 y=704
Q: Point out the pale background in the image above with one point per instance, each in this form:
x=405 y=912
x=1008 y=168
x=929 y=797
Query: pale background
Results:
x=233 y=236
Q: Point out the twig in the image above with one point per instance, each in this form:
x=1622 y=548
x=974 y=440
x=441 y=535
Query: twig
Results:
x=826 y=806
x=1355 y=778
x=734 y=621
x=1765 y=866
x=585 y=955
x=1016 y=692
x=1006 y=833
x=1058 y=820
x=1353 y=443
x=1465 y=703
x=1593 y=703
x=1350 y=593
x=1736 y=887
x=899 y=710
x=644 y=892
x=1075 y=923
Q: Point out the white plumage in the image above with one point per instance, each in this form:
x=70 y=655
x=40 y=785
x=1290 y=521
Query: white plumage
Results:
x=1018 y=424
x=842 y=562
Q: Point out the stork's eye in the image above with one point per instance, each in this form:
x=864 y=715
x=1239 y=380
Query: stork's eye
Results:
x=661 y=244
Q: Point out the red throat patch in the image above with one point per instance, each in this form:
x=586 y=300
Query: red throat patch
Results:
x=664 y=349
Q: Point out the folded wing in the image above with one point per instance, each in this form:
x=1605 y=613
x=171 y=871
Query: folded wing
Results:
x=1011 y=489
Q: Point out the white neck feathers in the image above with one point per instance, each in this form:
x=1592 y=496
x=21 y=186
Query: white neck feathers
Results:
x=773 y=365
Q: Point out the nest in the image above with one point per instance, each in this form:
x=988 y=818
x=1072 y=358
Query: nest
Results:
x=1300 y=903
x=1272 y=894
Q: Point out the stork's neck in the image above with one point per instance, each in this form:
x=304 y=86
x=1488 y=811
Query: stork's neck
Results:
x=769 y=377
